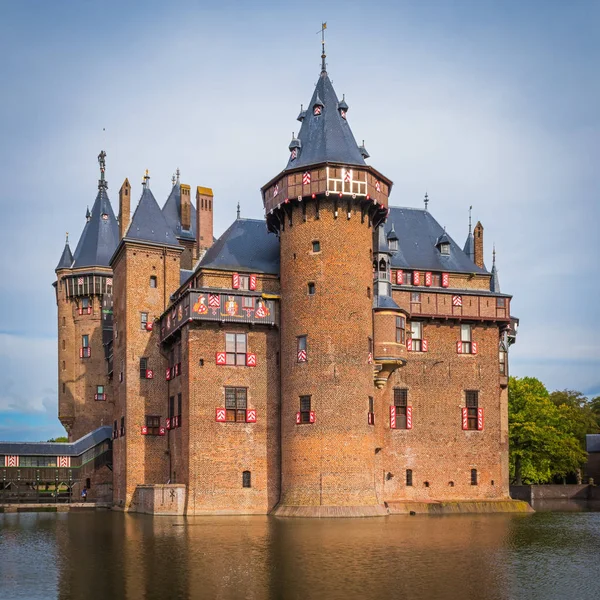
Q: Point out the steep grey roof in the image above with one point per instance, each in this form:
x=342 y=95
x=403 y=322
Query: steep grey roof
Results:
x=418 y=233
x=149 y=224
x=245 y=246
x=494 y=281
x=592 y=442
x=66 y=258
x=100 y=235
x=172 y=213
x=384 y=302
x=469 y=248
x=326 y=137
x=184 y=275
x=75 y=448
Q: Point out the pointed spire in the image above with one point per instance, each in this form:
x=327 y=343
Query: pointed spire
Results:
x=238 y=211
x=469 y=248
x=88 y=214
x=470 y=209
x=363 y=150
x=173 y=180
x=177 y=172
x=323 y=55
x=494 y=280
x=146 y=181
x=102 y=183
x=295 y=143
x=66 y=258
x=342 y=106
x=426 y=201
x=302 y=114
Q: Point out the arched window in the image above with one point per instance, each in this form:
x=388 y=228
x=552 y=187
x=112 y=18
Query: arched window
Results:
x=382 y=265
x=246 y=479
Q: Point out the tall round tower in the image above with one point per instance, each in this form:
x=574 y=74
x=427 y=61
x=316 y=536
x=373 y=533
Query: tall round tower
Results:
x=323 y=206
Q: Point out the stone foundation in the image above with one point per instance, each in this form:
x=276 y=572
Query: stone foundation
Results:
x=330 y=511
x=159 y=499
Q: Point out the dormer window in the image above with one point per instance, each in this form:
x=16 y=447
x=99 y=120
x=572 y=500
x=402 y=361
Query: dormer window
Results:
x=393 y=244
x=445 y=249
x=317 y=110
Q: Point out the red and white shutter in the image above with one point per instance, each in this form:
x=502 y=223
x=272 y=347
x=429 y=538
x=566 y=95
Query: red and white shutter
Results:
x=370 y=358
x=63 y=461
x=428 y=279
x=409 y=344
x=161 y=431
x=168 y=422
x=370 y=419
x=445 y=280
x=220 y=415
x=252 y=284
x=298 y=418
x=409 y=417
x=80 y=352
x=221 y=358
x=149 y=374
x=465 y=418
x=416 y=278
x=301 y=355
x=459 y=348
x=474 y=348
x=456 y=300
x=392 y=417
x=424 y=345
x=149 y=326
x=11 y=461
x=311 y=416
x=399 y=277
x=250 y=359
x=480 y=419
x=144 y=430
x=251 y=415
x=235 y=281
x=168 y=374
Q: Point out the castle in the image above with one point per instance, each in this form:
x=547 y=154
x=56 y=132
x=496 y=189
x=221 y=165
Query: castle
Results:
x=340 y=355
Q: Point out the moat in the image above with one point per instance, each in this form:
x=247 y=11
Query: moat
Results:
x=99 y=555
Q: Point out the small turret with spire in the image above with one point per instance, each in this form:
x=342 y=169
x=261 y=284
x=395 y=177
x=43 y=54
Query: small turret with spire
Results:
x=102 y=183
x=66 y=259
x=494 y=280
x=469 y=248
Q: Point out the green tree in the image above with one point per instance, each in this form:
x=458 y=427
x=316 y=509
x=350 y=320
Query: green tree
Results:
x=59 y=439
x=542 y=438
x=595 y=408
x=577 y=412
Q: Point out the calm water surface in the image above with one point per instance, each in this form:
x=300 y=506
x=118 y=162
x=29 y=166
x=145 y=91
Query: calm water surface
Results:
x=105 y=555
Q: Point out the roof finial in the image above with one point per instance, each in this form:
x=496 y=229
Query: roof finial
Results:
x=494 y=255
x=470 y=209
x=146 y=182
x=173 y=179
x=238 y=211
x=88 y=214
x=426 y=200
x=323 y=55
x=102 y=183
x=177 y=173
x=67 y=237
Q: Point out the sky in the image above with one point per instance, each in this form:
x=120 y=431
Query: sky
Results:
x=483 y=103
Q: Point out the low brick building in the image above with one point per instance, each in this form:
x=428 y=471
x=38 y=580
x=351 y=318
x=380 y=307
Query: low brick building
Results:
x=340 y=353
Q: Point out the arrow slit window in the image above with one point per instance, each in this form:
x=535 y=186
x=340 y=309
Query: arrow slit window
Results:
x=235 y=404
x=235 y=348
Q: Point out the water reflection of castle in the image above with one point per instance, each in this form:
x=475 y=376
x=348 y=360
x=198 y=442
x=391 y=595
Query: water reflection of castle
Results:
x=340 y=353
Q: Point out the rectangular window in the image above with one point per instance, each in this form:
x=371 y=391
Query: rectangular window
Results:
x=416 y=333
x=143 y=367
x=179 y=409
x=244 y=282
x=153 y=424
x=409 y=478
x=122 y=426
x=371 y=415
x=85 y=303
x=503 y=359
x=473 y=476
x=85 y=341
x=305 y=409
x=400 y=330
x=235 y=348
x=311 y=288
x=171 y=407
x=436 y=280
x=235 y=404
x=143 y=320
x=500 y=302
x=400 y=403
x=415 y=297
x=153 y=281
x=115 y=430
x=302 y=348
x=465 y=338
x=246 y=481
x=100 y=392
x=472 y=403
x=247 y=302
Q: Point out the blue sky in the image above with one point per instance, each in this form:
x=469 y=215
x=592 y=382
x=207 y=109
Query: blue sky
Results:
x=490 y=104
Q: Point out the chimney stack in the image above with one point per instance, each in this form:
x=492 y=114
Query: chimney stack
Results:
x=478 y=235
x=204 y=219
x=186 y=207
x=124 y=207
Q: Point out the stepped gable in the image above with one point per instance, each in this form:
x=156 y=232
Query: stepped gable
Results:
x=418 y=232
x=66 y=258
x=172 y=213
x=245 y=246
x=100 y=235
x=149 y=224
x=326 y=137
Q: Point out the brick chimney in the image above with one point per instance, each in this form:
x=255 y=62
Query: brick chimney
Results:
x=186 y=207
x=478 y=235
x=204 y=219
x=124 y=207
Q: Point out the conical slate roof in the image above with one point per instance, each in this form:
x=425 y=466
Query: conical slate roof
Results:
x=494 y=279
x=325 y=137
x=100 y=235
x=469 y=248
x=149 y=224
x=66 y=259
x=172 y=213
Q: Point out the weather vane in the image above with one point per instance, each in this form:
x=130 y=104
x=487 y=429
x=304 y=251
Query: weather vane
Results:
x=322 y=32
